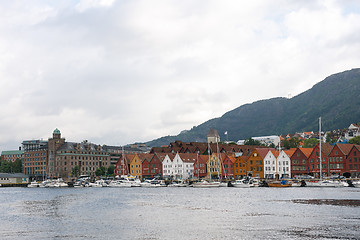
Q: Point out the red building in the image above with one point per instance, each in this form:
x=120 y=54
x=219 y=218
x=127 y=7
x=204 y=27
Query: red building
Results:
x=200 y=168
x=337 y=158
x=299 y=161
x=123 y=164
x=353 y=162
x=146 y=166
x=228 y=162
x=314 y=163
x=156 y=165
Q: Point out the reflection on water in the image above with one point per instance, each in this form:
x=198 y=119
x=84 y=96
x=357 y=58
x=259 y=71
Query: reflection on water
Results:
x=179 y=213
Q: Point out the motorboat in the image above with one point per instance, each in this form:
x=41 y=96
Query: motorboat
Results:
x=119 y=184
x=243 y=183
x=33 y=184
x=153 y=183
x=60 y=183
x=206 y=184
x=324 y=183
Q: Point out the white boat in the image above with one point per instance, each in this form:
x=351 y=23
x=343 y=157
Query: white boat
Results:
x=119 y=184
x=178 y=184
x=33 y=184
x=243 y=183
x=206 y=184
x=60 y=183
x=153 y=183
x=356 y=184
x=324 y=183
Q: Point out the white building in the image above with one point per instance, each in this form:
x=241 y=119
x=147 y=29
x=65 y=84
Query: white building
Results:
x=179 y=166
x=270 y=164
x=277 y=163
x=284 y=164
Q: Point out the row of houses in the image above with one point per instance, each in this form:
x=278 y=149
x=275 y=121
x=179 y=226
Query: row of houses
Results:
x=56 y=157
x=338 y=159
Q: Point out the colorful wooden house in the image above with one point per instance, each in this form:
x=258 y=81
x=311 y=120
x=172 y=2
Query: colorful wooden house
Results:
x=314 y=162
x=353 y=162
x=337 y=159
x=200 y=166
x=240 y=166
x=299 y=161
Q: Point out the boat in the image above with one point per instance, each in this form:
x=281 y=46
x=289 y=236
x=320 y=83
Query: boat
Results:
x=282 y=183
x=153 y=183
x=324 y=183
x=33 y=184
x=119 y=184
x=244 y=183
x=206 y=184
x=356 y=184
x=178 y=184
x=98 y=183
x=60 y=183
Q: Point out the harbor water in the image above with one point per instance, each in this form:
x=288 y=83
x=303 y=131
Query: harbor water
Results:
x=179 y=213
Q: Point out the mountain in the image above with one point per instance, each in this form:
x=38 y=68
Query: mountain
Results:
x=336 y=99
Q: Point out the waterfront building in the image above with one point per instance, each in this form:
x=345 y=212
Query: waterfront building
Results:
x=228 y=162
x=214 y=167
x=200 y=168
x=64 y=157
x=240 y=166
x=13 y=178
x=35 y=162
x=255 y=162
x=284 y=163
x=12 y=155
x=299 y=162
x=353 y=162
x=123 y=164
x=270 y=164
x=188 y=160
x=314 y=162
x=155 y=165
x=337 y=159
x=136 y=166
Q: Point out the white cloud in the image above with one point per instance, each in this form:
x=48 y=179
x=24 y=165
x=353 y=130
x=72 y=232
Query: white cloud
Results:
x=117 y=72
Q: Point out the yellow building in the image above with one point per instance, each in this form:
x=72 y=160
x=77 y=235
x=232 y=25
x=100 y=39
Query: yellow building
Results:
x=136 y=166
x=214 y=165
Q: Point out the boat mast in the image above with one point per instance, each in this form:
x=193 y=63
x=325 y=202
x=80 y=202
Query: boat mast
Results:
x=320 y=147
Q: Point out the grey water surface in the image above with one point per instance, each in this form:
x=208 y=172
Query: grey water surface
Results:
x=179 y=213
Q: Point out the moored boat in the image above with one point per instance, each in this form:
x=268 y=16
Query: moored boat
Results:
x=206 y=184
x=283 y=183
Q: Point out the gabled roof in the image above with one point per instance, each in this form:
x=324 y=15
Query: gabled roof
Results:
x=263 y=151
x=345 y=148
x=290 y=152
x=306 y=151
x=275 y=153
x=188 y=157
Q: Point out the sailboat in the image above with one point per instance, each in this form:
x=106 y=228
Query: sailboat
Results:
x=210 y=183
x=321 y=182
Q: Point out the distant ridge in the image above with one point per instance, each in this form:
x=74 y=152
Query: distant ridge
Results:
x=336 y=99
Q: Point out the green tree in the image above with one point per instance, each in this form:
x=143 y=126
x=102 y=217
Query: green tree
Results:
x=17 y=166
x=293 y=142
x=6 y=167
x=355 y=140
x=111 y=170
x=330 y=139
x=100 y=171
x=75 y=171
x=310 y=143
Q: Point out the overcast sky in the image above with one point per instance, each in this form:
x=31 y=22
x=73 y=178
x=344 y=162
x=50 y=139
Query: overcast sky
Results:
x=118 y=72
